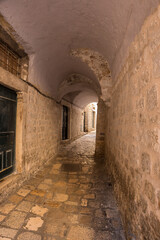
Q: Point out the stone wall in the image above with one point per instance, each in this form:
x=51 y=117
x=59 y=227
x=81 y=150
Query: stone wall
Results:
x=42 y=130
x=38 y=115
x=89 y=117
x=76 y=122
x=38 y=130
x=133 y=135
x=100 y=133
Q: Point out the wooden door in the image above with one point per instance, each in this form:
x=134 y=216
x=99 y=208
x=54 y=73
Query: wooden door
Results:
x=8 y=103
x=65 y=123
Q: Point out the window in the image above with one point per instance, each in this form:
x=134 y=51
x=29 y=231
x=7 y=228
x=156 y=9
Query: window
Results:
x=9 y=60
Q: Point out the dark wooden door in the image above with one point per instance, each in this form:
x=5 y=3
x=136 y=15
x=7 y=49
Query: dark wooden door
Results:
x=65 y=123
x=8 y=103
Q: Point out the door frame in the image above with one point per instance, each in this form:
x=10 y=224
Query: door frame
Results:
x=12 y=82
x=66 y=104
x=11 y=102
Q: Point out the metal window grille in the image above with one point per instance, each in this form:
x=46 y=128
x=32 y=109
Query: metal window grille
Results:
x=9 y=60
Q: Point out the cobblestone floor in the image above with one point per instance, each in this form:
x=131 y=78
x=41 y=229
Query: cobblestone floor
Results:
x=72 y=199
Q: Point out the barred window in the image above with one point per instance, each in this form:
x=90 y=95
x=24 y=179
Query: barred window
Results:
x=9 y=60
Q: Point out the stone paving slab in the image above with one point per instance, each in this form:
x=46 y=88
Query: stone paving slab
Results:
x=75 y=202
x=14 y=220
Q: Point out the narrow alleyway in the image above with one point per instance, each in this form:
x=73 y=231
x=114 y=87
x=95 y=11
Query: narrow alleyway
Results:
x=70 y=200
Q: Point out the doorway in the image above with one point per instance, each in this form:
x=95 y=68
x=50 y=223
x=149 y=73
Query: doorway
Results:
x=65 y=123
x=8 y=104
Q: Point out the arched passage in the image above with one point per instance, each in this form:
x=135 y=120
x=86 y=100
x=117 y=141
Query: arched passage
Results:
x=78 y=83
x=77 y=90
x=108 y=37
x=100 y=67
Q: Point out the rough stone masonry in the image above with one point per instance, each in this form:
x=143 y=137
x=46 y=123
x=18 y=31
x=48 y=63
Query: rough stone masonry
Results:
x=133 y=135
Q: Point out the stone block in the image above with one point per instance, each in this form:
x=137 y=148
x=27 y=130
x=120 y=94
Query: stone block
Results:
x=80 y=233
x=59 y=197
x=53 y=204
x=39 y=193
x=28 y=235
x=158 y=199
x=7 y=208
x=73 y=218
x=48 y=181
x=15 y=219
x=152 y=100
x=24 y=206
x=43 y=186
x=2 y=217
x=90 y=196
x=84 y=202
x=156 y=64
x=155 y=223
x=71 y=203
x=85 y=220
x=140 y=103
x=146 y=162
x=23 y=192
x=156 y=168
x=143 y=204
x=34 y=223
x=4 y=238
x=15 y=198
x=150 y=191
x=7 y=232
x=142 y=118
x=39 y=210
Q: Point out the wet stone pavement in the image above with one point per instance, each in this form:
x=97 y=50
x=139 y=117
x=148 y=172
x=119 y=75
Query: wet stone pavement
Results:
x=71 y=199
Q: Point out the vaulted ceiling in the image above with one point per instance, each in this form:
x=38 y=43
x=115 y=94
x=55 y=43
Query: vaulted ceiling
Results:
x=50 y=29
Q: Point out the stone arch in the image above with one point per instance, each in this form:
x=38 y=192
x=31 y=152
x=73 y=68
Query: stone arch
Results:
x=77 y=82
x=83 y=98
x=100 y=67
